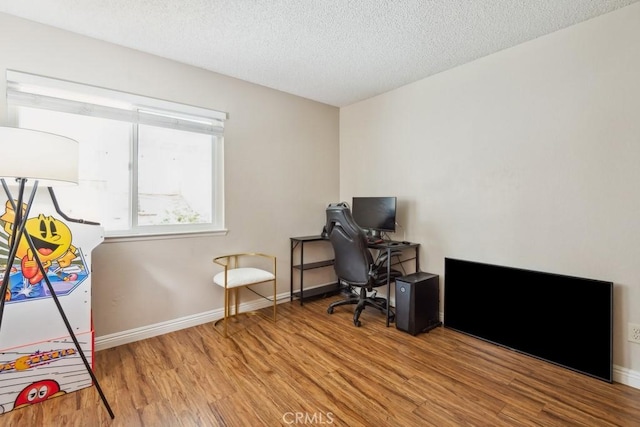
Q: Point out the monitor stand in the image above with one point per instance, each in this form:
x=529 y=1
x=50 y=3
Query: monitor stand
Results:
x=374 y=234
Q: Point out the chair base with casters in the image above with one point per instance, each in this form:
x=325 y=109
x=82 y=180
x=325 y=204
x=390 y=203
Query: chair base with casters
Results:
x=235 y=277
x=362 y=301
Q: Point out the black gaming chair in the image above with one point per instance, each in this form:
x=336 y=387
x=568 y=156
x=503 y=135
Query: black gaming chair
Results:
x=354 y=263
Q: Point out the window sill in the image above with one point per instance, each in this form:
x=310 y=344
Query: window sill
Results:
x=163 y=236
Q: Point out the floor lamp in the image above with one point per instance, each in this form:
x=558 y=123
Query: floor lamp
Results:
x=30 y=158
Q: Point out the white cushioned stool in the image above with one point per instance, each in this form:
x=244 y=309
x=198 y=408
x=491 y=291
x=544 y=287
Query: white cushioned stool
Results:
x=235 y=277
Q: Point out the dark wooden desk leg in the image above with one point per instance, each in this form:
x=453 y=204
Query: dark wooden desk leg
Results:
x=418 y=259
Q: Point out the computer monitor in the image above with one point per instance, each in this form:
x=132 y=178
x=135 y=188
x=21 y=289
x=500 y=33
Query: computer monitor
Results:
x=375 y=214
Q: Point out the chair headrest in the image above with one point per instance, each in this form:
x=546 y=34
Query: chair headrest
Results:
x=338 y=205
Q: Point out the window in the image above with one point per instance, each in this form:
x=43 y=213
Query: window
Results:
x=146 y=166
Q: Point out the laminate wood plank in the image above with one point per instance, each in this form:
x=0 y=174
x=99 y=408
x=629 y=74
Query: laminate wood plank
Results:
x=341 y=390
x=320 y=366
x=461 y=402
x=234 y=411
x=564 y=401
x=387 y=397
x=320 y=392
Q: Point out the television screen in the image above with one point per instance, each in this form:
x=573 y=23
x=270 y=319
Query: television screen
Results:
x=561 y=319
x=375 y=213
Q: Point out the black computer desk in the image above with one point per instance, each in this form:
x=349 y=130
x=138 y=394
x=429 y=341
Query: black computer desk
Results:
x=389 y=246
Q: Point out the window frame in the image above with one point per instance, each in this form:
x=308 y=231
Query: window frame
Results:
x=45 y=93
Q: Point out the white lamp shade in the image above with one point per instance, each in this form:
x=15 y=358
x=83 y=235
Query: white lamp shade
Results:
x=38 y=156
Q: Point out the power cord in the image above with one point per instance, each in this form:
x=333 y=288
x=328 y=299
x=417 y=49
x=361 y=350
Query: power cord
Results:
x=403 y=231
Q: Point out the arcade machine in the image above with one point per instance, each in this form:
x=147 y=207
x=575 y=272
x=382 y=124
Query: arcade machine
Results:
x=46 y=331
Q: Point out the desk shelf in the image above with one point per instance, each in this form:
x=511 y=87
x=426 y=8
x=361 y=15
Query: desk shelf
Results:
x=312 y=265
x=319 y=292
x=302 y=266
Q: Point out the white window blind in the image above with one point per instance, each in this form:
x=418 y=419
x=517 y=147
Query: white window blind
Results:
x=29 y=90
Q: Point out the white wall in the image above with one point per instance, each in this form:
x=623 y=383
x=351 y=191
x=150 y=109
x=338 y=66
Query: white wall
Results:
x=527 y=158
x=281 y=171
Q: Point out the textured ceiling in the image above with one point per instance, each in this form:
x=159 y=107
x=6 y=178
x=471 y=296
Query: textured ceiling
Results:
x=333 y=51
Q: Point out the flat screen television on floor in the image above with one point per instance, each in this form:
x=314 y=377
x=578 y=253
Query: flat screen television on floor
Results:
x=561 y=319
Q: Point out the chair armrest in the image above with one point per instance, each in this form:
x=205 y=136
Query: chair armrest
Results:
x=233 y=260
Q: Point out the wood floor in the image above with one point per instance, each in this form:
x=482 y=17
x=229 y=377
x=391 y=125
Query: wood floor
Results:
x=312 y=368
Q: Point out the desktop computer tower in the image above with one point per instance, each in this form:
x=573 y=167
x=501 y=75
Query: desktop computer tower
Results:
x=417 y=302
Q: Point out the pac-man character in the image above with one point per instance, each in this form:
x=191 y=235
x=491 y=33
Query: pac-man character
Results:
x=38 y=392
x=51 y=239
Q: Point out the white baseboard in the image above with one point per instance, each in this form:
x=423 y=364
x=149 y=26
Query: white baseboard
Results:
x=620 y=375
x=125 y=337
x=626 y=376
